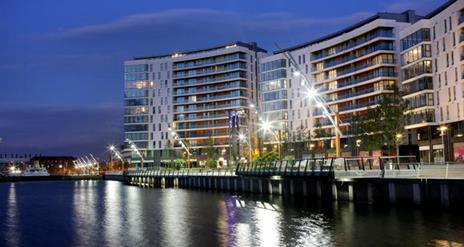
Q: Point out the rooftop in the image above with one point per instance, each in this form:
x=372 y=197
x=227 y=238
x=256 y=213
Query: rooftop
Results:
x=252 y=46
x=407 y=16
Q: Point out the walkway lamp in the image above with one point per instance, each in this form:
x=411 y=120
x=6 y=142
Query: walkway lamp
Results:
x=443 y=130
x=398 y=136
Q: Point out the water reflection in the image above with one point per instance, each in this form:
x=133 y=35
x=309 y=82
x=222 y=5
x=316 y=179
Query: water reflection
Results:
x=99 y=213
x=84 y=216
x=113 y=216
x=12 y=226
x=174 y=209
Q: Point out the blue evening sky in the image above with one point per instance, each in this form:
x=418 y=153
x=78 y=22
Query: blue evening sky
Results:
x=61 y=83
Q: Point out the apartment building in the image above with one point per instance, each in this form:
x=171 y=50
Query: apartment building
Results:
x=432 y=81
x=198 y=93
x=351 y=69
x=191 y=96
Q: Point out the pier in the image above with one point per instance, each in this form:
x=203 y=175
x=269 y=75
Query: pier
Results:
x=326 y=179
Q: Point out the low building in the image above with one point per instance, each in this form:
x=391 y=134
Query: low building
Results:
x=55 y=165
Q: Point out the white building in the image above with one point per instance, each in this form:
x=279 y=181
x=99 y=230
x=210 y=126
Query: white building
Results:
x=191 y=96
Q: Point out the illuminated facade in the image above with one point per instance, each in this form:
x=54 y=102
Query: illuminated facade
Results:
x=432 y=80
x=195 y=93
x=192 y=94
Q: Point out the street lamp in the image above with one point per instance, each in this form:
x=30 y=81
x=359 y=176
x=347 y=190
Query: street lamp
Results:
x=398 y=136
x=358 y=145
x=136 y=150
x=443 y=130
x=116 y=153
x=267 y=126
x=187 y=150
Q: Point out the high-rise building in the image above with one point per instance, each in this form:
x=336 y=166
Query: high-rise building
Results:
x=191 y=96
x=206 y=94
x=351 y=69
x=432 y=81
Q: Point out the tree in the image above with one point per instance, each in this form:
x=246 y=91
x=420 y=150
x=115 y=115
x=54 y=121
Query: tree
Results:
x=299 y=141
x=380 y=125
x=169 y=153
x=211 y=152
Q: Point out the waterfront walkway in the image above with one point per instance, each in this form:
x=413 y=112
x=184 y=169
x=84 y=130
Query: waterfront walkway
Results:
x=349 y=168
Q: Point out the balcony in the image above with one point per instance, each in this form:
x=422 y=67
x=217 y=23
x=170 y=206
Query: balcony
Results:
x=351 y=45
x=428 y=117
x=204 y=126
x=205 y=135
x=200 y=72
x=417 y=86
x=209 y=61
x=210 y=98
x=344 y=59
x=193 y=108
x=211 y=79
x=199 y=117
x=360 y=79
x=350 y=107
x=209 y=89
x=353 y=94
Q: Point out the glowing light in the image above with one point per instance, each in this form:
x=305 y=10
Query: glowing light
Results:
x=311 y=93
x=252 y=106
x=241 y=137
x=297 y=73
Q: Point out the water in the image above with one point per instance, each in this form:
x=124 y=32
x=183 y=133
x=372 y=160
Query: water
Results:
x=107 y=213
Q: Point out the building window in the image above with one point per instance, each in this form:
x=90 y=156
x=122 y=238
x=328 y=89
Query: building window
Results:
x=447 y=112
x=446 y=78
x=434 y=33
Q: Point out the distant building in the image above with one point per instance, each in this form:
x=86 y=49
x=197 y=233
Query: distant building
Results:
x=55 y=165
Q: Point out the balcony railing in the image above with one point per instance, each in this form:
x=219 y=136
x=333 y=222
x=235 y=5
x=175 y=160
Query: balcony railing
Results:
x=209 y=71
x=318 y=112
x=209 y=89
x=209 y=98
x=334 y=62
x=420 y=118
x=351 y=45
x=352 y=94
x=360 y=67
x=208 y=107
x=358 y=80
x=199 y=117
x=202 y=126
x=205 y=62
x=196 y=82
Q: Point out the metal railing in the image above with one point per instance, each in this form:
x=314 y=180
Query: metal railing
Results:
x=181 y=172
x=305 y=167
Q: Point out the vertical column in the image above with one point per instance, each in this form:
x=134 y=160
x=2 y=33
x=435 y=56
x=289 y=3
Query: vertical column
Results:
x=305 y=188
x=416 y=192
x=260 y=185
x=370 y=193
x=291 y=187
x=318 y=189
x=444 y=195
x=251 y=181
x=350 y=192
x=269 y=185
x=334 y=191
x=392 y=192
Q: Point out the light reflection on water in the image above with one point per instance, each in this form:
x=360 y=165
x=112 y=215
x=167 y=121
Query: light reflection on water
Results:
x=106 y=213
